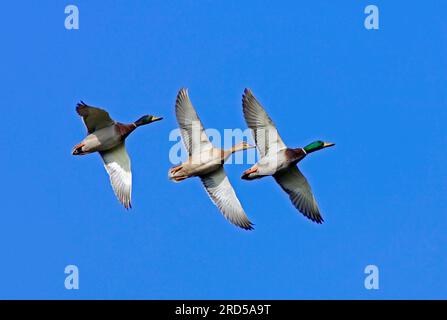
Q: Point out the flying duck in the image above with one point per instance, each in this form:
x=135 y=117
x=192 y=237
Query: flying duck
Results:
x=279 y=161
x=107 y=137
x=206 y=162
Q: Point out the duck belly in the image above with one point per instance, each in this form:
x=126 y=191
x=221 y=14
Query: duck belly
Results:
x=271 y=164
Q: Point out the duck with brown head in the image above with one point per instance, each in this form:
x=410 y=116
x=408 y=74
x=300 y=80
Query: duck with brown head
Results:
x=206 y=162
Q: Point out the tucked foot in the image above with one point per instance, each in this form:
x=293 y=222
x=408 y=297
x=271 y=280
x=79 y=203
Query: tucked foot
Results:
x=77 y=149
x=246 y=174
x=176 y=169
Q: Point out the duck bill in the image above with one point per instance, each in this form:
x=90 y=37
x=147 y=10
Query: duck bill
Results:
x=328 y=144
x=156 y=119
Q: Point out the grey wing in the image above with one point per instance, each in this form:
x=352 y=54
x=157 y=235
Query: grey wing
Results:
x=117 y=164
x=295 y=184
x=94 y=118
x=222 y=194
x=193 y=134
x=264 y=130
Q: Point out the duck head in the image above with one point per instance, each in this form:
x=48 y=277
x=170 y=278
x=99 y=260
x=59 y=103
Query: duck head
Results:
x=317 y=145
x=146 y=120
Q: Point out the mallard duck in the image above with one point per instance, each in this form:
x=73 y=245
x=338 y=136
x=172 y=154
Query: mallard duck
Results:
x=107 y=137
x=278 y=160
x=206 y=162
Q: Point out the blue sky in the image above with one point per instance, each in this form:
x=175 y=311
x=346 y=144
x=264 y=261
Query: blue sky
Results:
x=380 y=95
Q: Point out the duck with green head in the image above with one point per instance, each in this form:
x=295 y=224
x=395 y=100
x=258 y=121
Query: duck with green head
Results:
x=107 y=137
x=278 y=160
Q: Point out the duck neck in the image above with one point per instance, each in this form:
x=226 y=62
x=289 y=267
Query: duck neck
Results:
x=296 y=154
x=126 y=129
x=228 y=152
x=236 y=148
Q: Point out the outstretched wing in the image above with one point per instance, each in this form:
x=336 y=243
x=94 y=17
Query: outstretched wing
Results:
x=264 y=131
x=222 y=194
x=94 y=118
x=295 y=184
x=193 y=134
x=117 y=164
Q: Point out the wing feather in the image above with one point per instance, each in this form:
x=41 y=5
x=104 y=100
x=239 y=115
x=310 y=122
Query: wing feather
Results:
x=191 y=128
x=263 y=129
x=94 y=118
x=223 y=196
x=295 y=184
x=117 y=164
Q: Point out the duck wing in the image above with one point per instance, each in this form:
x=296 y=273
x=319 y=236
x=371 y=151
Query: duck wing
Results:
x=263 y=129
x=94 y=118
x=191 y=128
x=295 y=184
x=117 y=164
x=223 y=196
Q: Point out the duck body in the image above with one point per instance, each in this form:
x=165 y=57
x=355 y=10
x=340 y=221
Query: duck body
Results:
x=200 y=164
x=104 y=139
x=274 y=163
x=197 y=165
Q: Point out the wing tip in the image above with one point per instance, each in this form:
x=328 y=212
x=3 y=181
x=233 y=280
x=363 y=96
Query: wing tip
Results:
x=247 y=91
x=248 y=94
x=314 y=217
x=250 y=104
x=80 y=105
x=182 y=93
x=246 y=225
x=182 y=96
x=318 y=220
x=124 y=201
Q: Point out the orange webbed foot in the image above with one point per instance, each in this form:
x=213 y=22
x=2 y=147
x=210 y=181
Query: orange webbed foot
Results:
x=251 y=170
x=176 y=169
x=77 y=149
